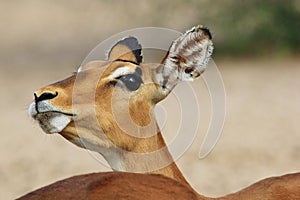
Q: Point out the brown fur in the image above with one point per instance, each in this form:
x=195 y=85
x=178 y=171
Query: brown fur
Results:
x=117 y=185
x=114 y=185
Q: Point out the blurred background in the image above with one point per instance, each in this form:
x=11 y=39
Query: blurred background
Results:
x=257 y=50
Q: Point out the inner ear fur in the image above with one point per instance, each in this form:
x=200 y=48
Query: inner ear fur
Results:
x=127 y=49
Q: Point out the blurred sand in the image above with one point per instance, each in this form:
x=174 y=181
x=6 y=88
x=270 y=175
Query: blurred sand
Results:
x=42 y=42
x=260 y=138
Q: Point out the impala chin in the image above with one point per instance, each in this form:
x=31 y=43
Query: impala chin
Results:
x=50 y=119
x=52 y=122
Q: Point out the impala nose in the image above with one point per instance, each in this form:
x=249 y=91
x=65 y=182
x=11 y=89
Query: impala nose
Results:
x=37 y=99
x=44 y=96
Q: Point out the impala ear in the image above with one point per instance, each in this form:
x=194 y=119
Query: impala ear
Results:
x=127 y=49
x=186 y=59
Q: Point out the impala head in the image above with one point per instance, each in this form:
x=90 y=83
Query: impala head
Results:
x=109 y=104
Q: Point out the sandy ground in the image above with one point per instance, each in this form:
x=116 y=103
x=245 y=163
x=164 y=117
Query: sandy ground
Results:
x=260 y=138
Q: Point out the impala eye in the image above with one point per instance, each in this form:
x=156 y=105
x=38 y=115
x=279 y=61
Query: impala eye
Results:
x=131 y=81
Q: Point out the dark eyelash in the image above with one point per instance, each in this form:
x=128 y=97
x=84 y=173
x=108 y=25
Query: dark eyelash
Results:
x=127 y=61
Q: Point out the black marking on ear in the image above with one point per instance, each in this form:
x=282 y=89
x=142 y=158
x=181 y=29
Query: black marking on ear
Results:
x=207 y=32
x=133 y=44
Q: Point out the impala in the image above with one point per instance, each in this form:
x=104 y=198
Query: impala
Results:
x=108 y=107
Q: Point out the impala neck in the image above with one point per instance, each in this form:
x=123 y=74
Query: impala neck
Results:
x=151 y=156
x=138 y=143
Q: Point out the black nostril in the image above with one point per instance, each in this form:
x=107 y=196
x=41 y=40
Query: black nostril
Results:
x=45 y=96
x=207 y=32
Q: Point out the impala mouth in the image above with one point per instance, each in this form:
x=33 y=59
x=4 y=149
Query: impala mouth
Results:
x=53 y=121
x=50 y=120
x=55 y=111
